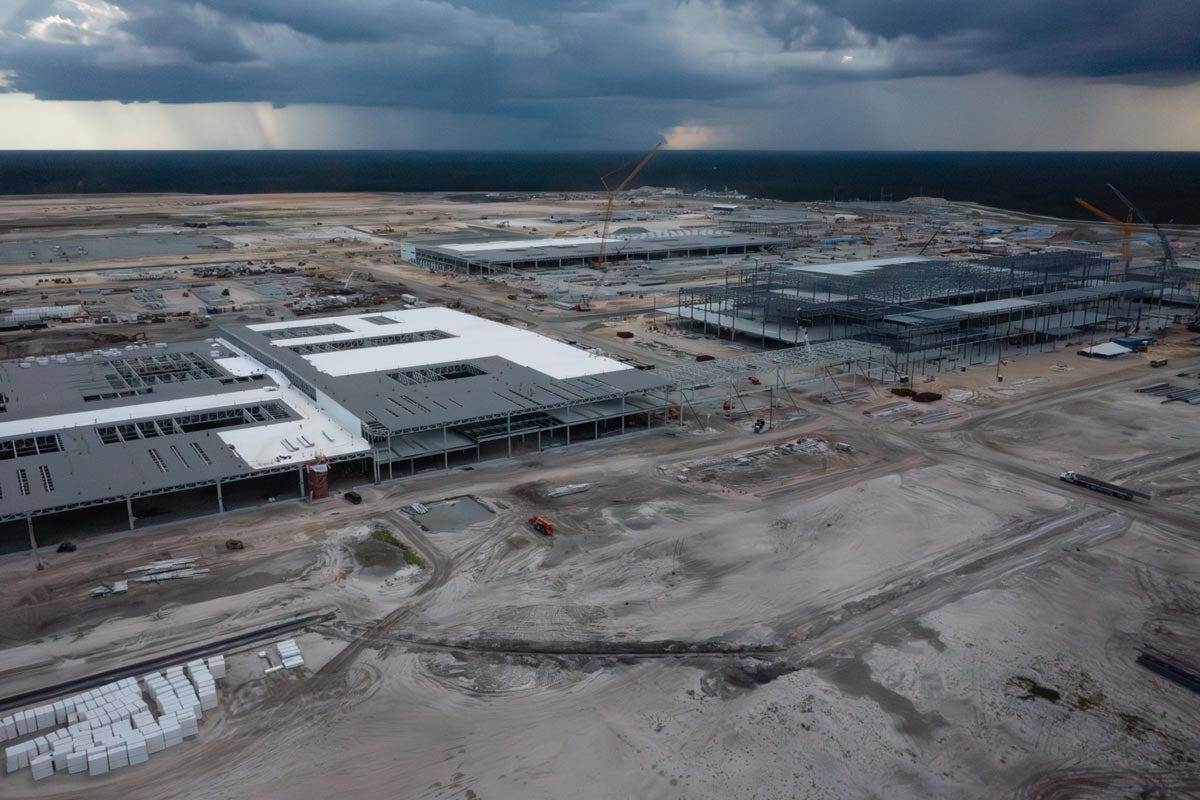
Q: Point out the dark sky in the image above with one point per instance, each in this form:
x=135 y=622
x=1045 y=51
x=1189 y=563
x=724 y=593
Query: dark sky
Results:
x=872 y=74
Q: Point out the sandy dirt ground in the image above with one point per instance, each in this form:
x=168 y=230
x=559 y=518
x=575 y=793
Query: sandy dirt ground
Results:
x=926 y=613
x=809 y=624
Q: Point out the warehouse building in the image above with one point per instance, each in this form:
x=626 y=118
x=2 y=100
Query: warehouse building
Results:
x=144 y=432
x=477 y=258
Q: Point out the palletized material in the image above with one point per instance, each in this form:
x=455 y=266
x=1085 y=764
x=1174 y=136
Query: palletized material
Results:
x=97 y=759
x=136 y=749
x=77 y=761
x=42 y=767
x=112 y=726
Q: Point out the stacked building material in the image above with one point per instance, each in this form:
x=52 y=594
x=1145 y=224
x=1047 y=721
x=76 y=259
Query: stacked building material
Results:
x=113 y=726
x=289 y=651
x=845 y=397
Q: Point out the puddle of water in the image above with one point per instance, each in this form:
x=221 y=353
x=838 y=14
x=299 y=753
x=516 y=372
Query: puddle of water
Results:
x=454 y=514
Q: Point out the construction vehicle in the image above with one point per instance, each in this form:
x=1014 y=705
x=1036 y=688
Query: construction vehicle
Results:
x=1103 y=487
x=542 y=525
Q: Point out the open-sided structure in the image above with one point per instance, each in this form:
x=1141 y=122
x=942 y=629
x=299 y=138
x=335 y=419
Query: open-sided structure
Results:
x=412 y=389
x=930 y=313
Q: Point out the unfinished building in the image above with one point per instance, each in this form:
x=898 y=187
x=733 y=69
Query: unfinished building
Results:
x=175 y=430
x=477 y=258
x=932 y=314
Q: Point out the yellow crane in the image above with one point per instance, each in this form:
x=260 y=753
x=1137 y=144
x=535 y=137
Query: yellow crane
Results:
x=1126 y=227
x=612 y=196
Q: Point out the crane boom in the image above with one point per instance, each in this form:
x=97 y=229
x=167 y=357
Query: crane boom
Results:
x=1169 y=263
x=1101 y=213
x=612 y=197
x=1126 y=227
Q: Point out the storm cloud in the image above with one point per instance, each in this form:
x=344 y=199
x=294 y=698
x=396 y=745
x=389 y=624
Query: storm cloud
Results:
x=579 y=71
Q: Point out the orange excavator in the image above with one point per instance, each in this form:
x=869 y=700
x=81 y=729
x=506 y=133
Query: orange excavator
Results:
x=542 y=525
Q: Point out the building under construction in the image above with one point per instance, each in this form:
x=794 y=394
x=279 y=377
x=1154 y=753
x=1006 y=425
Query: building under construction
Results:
x=266 y=411
x=114 y=437
x=480 y=258
x=932 y=314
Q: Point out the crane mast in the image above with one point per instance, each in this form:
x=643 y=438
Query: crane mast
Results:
x=612 y=197
x=1170 y=265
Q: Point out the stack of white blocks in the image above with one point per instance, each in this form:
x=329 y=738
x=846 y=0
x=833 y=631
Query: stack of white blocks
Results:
x=112 y=726
x=289 y=651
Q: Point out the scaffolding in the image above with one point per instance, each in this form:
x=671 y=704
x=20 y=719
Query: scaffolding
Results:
x=930 y=315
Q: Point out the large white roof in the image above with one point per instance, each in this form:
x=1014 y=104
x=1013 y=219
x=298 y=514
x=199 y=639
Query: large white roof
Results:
x=522 y=244
x=859 y=267
x=165 y=408
x=1106 y=349
x=472 y=337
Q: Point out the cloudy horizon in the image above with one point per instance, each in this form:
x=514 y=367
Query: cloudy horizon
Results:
x=515 y=74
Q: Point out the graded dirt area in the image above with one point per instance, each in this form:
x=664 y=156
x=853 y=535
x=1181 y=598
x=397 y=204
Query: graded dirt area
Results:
x=928 y=613
x=847 y=605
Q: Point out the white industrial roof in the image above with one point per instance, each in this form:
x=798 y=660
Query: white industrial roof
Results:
x=259 y=445
x=858 y=267
x=995 y=306
x=1106 y=349
x=165 y=408
x=522 y=244
x=472 y=337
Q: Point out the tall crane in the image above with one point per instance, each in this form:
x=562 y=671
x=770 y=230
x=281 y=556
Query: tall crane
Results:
x=1170 y=265
x=1126 y=228
x=612 y=196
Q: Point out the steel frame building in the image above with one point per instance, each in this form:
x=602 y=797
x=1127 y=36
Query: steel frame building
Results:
x=930 y=314
x=390 y=393
x=511 y=256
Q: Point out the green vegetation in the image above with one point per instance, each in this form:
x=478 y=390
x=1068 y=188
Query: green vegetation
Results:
x=386 y=537
x=1034 y=689
x=1135 y=726
x=373 y=553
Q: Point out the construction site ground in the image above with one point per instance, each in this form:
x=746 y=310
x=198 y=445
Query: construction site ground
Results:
x=809 y=624
x=842 y=606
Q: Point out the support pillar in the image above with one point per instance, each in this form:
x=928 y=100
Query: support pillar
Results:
x=623 y=415
x=300 y=475
x=445 y=444
x=508 y=423
x=133 y=519
x=220 y=504
x=33 y=548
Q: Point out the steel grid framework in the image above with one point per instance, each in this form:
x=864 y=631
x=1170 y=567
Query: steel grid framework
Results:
x=884 y=306
x=805 y=357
